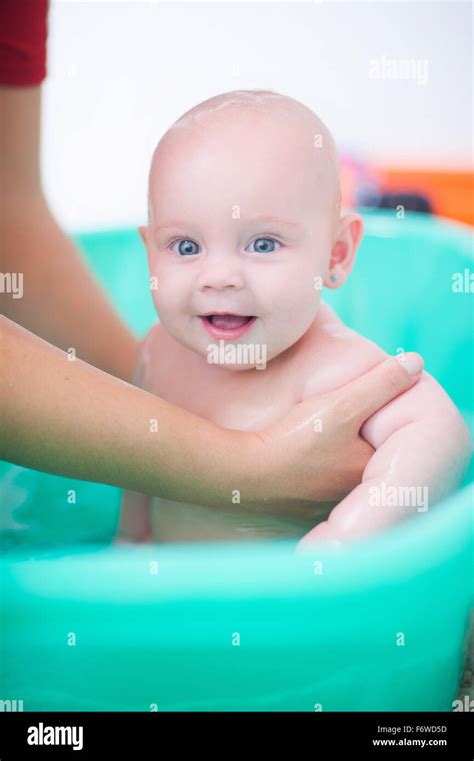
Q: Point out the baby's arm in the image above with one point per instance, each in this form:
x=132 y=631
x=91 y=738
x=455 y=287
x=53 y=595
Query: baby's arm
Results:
x=135 y=519
x=422 y=449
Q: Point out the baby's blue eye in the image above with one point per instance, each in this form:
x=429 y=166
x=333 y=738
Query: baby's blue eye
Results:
x=186 y=247
x=264 y=245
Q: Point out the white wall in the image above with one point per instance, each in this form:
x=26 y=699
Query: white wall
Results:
x=120 y=72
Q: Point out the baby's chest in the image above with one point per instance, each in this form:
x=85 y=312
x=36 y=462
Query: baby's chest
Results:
x=242 y=400
x=234 y=400
x=238 y=407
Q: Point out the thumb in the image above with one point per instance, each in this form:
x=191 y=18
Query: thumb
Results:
x=370 y=392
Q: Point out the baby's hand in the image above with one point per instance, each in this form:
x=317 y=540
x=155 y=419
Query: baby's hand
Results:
x=422 y=451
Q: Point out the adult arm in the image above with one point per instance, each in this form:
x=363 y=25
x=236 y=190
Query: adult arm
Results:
x=61 y=301
x=69 y=418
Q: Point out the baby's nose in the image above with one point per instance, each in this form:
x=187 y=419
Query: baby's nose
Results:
x=220 y=273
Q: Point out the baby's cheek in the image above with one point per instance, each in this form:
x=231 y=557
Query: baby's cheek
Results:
x=297 y=307
x=172 y=313
x=164 y=309
x=161 y=297
x=164 y=290
x=289 y=295
x=161 y=307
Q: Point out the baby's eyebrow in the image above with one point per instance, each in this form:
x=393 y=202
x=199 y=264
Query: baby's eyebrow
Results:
x=268 y=219
x=172 y=225
x=262 y=219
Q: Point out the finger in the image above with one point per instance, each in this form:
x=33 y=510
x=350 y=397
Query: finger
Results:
x=370 y=392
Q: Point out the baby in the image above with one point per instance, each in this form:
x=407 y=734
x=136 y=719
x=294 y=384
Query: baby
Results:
x=244 y=230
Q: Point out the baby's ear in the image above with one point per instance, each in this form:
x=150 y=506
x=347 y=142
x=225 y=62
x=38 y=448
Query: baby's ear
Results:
x=143 y=230
x=355 y=225
x=349 y=235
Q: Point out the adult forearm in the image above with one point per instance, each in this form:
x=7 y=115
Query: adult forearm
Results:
x=59 y=298
x=71 y=419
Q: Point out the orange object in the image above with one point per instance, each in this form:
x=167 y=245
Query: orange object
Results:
x=451 y=193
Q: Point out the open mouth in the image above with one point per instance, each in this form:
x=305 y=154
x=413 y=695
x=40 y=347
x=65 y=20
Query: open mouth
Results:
x=227 y=321
x=227 y=325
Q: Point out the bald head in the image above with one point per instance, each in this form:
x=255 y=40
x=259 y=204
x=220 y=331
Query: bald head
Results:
x=264 y=101
x=274 y=122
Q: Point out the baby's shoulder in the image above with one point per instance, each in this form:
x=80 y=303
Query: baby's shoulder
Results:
x=336 y=354
x=154 y=356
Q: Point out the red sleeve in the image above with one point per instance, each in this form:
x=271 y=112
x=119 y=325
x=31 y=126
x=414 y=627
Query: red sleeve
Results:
x=23 y=33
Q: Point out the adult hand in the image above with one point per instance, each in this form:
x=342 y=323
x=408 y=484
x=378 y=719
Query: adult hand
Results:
x=316 y=452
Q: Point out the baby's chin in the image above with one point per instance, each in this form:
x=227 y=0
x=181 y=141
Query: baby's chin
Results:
x=238 y=355
x=235 y=356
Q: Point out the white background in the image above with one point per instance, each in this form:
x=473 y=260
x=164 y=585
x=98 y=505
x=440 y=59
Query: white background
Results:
x=119 y=73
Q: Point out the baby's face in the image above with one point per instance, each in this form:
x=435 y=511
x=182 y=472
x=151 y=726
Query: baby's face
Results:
x=242 y=221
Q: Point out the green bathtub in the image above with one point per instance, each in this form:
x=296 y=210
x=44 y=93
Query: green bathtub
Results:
x=378 y=626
